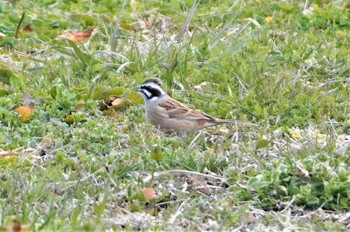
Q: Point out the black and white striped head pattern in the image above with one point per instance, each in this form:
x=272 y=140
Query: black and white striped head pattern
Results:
x=151 y=89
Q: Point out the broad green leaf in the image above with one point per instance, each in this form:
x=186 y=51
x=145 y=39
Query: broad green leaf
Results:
x=134 y=97
x=261 y=143
x=5 y=75
x=126 y=26
x=4 y=92
x=102 y=92
x=156 y=153
x=84 y=57
x=82 y=93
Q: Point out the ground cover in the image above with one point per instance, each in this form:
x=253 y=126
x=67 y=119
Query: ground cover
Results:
x=77 y=154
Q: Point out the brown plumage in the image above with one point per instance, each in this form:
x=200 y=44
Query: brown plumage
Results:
x=166 y=113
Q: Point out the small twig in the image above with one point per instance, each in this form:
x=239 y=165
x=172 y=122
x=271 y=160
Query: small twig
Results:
x=314 y=212
x=289 y=204
x=156 y=174
x=168 y=202
x=257 y=211
x=243 y=186
x=7 y=153
x=194 y=140
x=330 y=82
x=111 y=179
x=122 y=209
x=239 y=228
x=285 y=224
x=72 y=183
x=332 y=126
x=179 y=210
x=19 y=25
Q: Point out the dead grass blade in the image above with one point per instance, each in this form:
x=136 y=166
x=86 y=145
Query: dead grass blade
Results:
x=8 y=153
x=116 y=27
x=187 y=21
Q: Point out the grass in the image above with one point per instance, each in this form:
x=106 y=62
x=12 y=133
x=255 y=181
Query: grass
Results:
x=67 y=164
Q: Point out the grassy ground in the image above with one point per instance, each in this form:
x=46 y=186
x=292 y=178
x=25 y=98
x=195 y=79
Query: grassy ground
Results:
x=67 y=164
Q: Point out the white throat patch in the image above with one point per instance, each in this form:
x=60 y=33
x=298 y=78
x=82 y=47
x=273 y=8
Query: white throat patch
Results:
x=153 y=99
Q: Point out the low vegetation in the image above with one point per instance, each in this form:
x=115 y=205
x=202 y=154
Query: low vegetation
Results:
x=76 y=152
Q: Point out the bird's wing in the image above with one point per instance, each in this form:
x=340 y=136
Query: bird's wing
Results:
x=177 y=110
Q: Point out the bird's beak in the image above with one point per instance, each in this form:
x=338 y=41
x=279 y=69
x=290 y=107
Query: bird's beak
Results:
x=138 y=89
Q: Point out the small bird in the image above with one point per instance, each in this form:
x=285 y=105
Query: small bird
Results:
x=167 y=114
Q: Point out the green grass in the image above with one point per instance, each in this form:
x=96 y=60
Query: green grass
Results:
x=76 y=167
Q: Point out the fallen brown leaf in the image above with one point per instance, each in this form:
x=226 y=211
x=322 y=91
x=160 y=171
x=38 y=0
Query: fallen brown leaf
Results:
x=119 y=102
x=149 y=193
x=113 y=103
x=16 y=226
x=7 y=153
x=24 y=112
x=77 y=36
x=108 y=101
x=28 y=28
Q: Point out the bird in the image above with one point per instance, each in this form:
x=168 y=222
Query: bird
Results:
x=170 y=115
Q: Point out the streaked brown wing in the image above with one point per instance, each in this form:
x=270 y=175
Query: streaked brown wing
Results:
x=177 y=110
